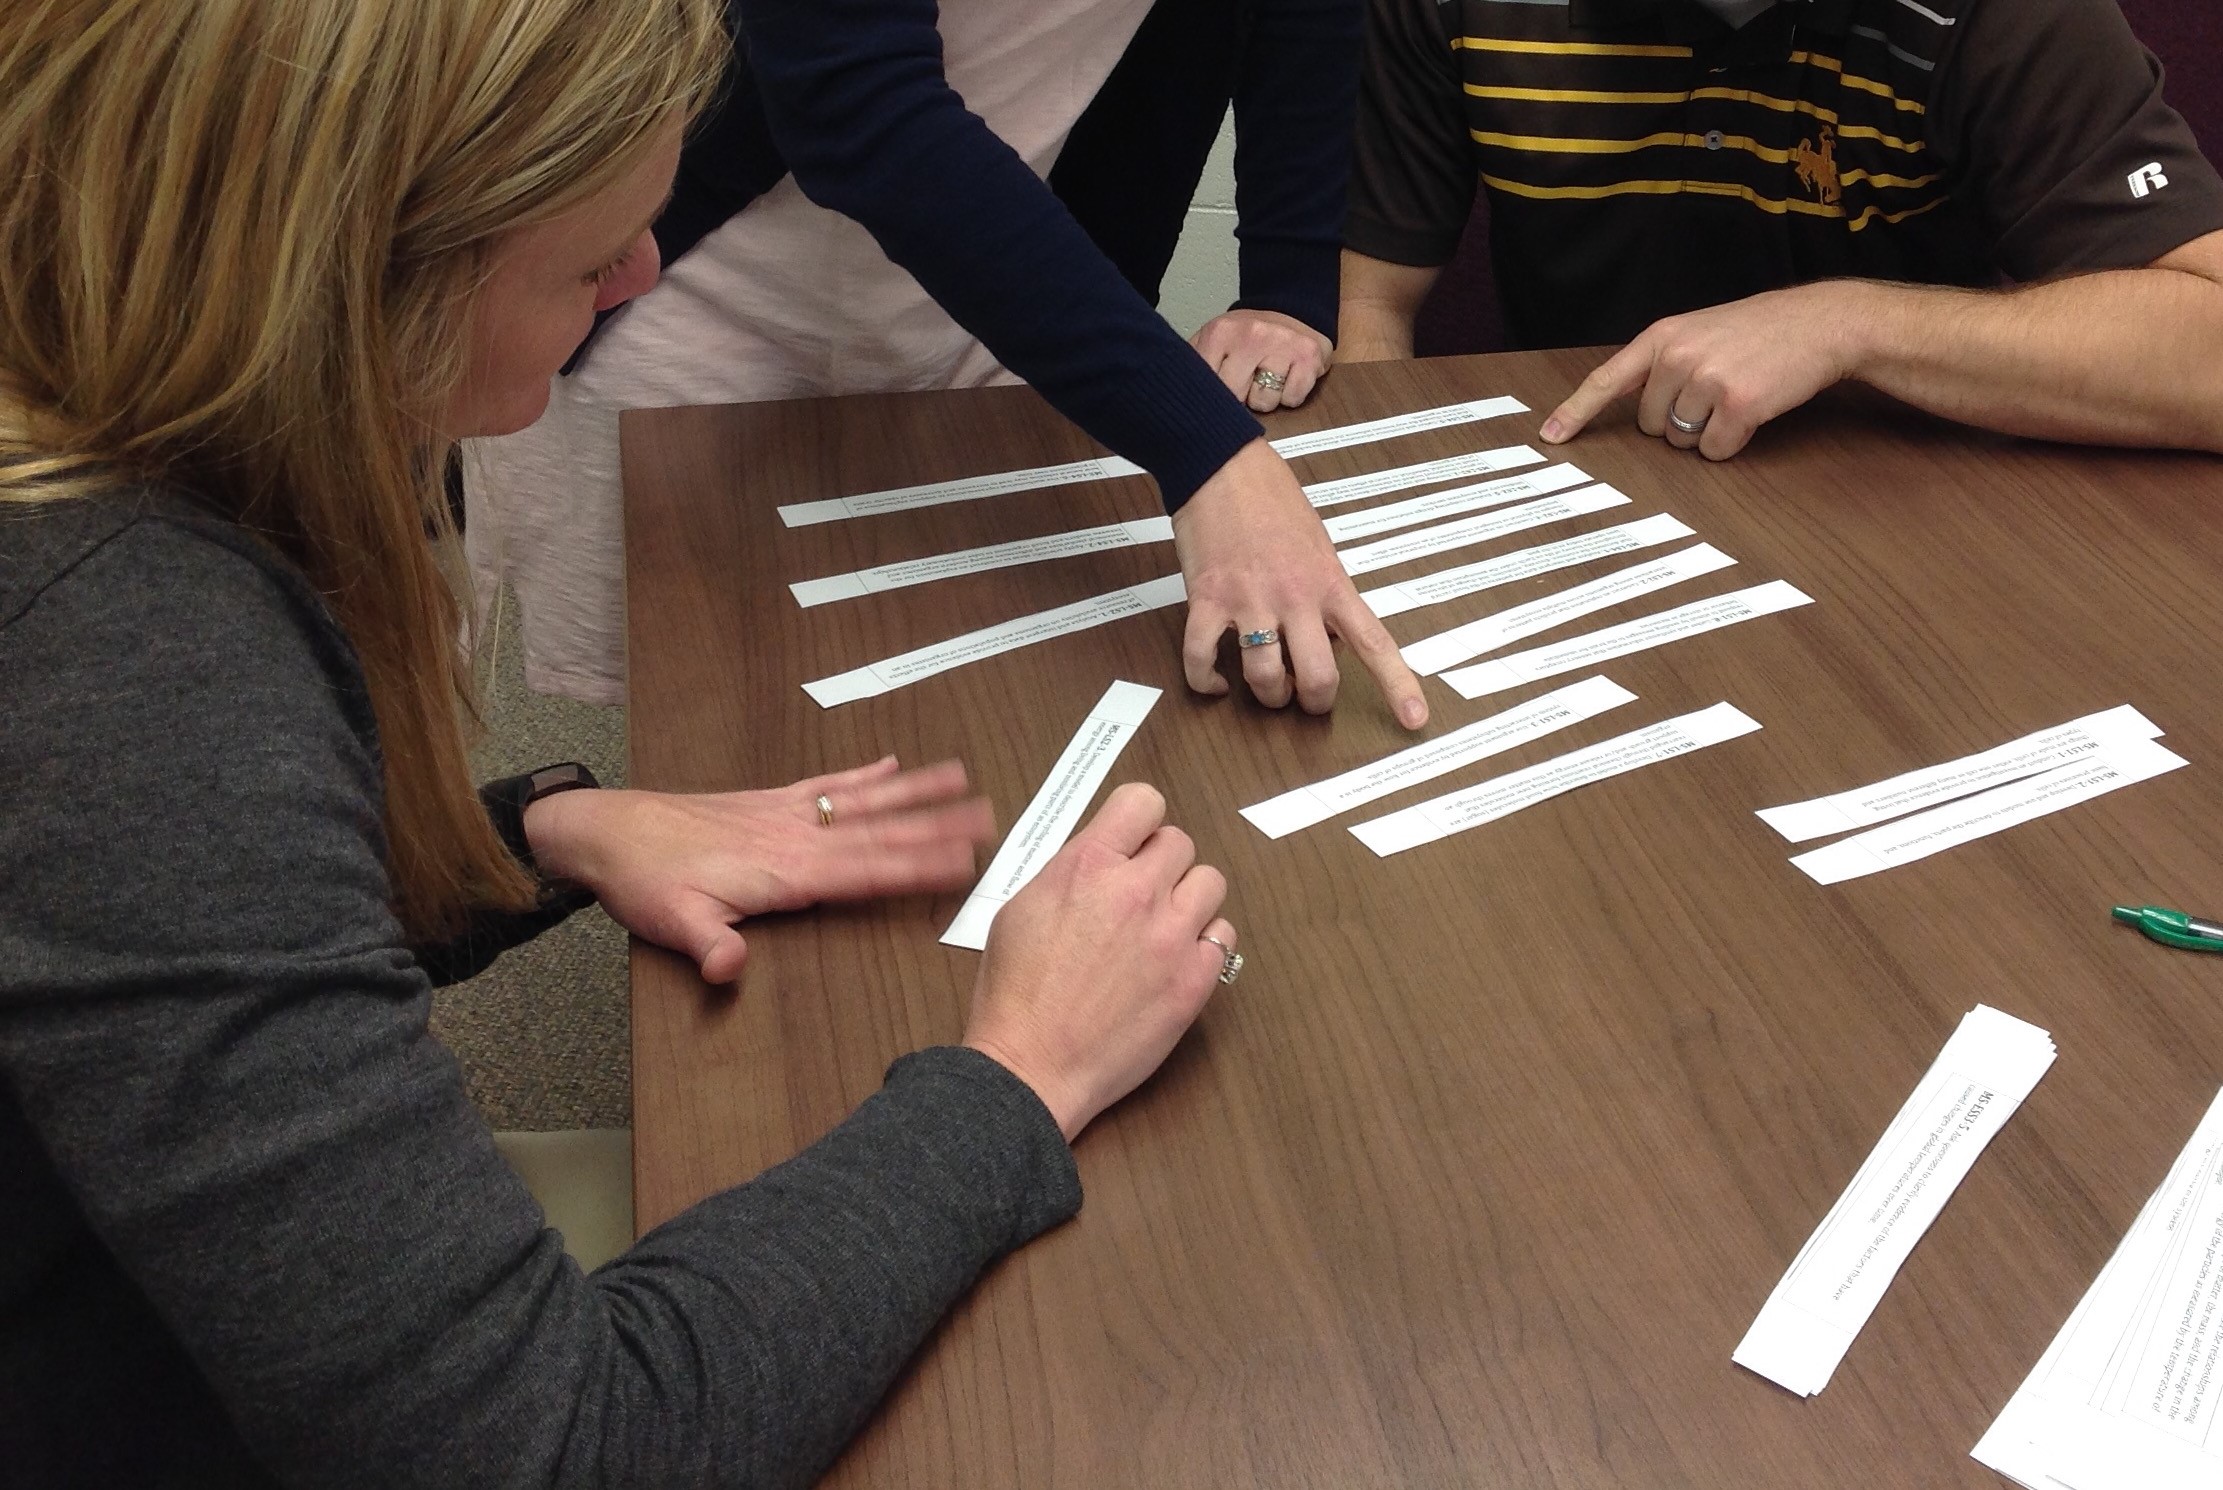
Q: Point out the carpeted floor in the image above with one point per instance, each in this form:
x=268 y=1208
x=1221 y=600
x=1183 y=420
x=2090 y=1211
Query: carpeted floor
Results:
x=544 y=1035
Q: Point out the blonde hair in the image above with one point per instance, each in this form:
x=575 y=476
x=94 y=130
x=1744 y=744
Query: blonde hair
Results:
x=238 y=240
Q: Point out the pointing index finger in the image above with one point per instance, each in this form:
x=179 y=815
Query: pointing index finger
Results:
x=1617 y=377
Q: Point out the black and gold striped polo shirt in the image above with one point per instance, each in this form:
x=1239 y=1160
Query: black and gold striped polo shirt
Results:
x=1642 y=158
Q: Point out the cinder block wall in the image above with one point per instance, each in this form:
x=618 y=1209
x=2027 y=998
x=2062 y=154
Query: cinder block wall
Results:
x=1200 y=283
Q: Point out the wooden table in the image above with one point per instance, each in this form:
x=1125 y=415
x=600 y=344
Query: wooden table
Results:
x=1484 y=1168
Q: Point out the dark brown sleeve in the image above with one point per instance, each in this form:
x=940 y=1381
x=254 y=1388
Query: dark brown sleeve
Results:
x=1412 y=175
x=2050 y=114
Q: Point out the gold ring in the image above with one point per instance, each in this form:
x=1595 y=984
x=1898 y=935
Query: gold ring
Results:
x=825 y=811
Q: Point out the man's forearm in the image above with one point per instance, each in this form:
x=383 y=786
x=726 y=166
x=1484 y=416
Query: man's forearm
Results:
x=1380 y=302
x=2128 y=357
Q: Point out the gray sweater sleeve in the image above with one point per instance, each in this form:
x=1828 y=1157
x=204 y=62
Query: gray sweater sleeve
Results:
x=210 y=1022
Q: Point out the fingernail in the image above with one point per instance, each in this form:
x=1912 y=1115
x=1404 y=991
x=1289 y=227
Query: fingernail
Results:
x=1414 y=713
x=1553 y=429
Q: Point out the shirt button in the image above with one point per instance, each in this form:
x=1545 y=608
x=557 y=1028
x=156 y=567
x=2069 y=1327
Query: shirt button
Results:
x=1713 y=139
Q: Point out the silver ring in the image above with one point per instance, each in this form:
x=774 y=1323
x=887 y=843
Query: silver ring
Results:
x=1271 y=381
x=825 y=811
x=1264 y=638
x=1688 y=426
x=1231 y=961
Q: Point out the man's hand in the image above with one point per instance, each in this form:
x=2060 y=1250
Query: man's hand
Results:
x=1243 y=343
x=1731 y=368
x=1256 y=558
x=680 y=870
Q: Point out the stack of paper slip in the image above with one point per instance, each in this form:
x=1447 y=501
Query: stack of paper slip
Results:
x=1982 y=794
x=1808 y=1323
x=2126 y=1396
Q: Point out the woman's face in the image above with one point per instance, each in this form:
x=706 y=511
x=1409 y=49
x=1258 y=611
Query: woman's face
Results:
x=546 y=286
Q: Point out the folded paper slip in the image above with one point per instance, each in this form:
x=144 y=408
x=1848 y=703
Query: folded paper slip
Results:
x=1055 y=811
x=2124 y=762
x=1911 y=791
x=1987 y=1067
x=1109 y=467
x=2127 y=1395
x=1278 y=817
x=1639 y=635
x=990 y=641
x=1504 y=795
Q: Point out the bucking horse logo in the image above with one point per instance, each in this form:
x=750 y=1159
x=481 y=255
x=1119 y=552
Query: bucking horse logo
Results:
x=1817 y=169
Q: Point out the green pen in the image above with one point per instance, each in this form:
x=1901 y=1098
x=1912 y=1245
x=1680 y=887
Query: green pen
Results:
x=2172 y=928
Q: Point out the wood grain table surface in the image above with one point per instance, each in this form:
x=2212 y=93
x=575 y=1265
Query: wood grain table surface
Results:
x=1479 y=1174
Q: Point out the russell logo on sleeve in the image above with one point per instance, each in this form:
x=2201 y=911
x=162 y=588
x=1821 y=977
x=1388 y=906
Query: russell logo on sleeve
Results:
x=2147 y=179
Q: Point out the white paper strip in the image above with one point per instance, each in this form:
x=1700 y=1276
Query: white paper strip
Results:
x=1105 y=468
x=1364 y=558
x=1866 y=806
x=2123 y=763
x=1055 y=811
x=858 y=582
x=1501 y=796
x=1450 y=468
x=1444 y=416
x=1280 y=816
x=1452 y=501
x=1432 y=654
x=958 y=489
x=1641 y=634
x=924 y=662
x=2116 y=1403
x=1987 y=1067
x=1526 y=563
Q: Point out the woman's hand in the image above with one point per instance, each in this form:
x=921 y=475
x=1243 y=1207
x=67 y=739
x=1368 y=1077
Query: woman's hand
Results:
x=1096 y=968
x=1244 y=343
x=679 y=870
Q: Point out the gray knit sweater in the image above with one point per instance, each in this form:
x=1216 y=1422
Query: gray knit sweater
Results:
x=251 y=1231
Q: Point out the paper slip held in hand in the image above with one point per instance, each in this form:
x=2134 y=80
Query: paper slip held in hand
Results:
x=1110 y=467
x=1452 y=501
x=1987 y=1067
x=2127 y=1395
x=1055 y=811
x=1450 y=468
x=1096 y=540
x=1432 y=654
x=1639 y=635
x=1502 y=796
x=1421 y=543
x=1526 y=563
x=924 y=662
x=2123 y=763
x=1864 y=807
x=1277 y=817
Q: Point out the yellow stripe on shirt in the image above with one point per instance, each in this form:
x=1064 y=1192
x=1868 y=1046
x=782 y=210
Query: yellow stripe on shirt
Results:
x=1559 y=145
x=1775 y=205
x=1561 y=48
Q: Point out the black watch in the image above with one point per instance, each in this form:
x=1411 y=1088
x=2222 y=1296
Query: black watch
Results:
x=570 y=776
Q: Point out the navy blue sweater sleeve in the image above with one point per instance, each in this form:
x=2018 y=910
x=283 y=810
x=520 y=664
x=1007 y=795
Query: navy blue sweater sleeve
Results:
x=854 y=93
x=1296 y=102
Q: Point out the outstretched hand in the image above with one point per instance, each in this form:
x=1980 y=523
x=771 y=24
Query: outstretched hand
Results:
x=679 y=870
x=1256 y=558
x=1724 y=371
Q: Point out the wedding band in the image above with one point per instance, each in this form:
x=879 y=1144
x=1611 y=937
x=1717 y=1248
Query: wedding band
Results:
x=1272 y=382
x=1231 y=961
x=1264 y=638
x=1688 y=426
x=825 y=812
